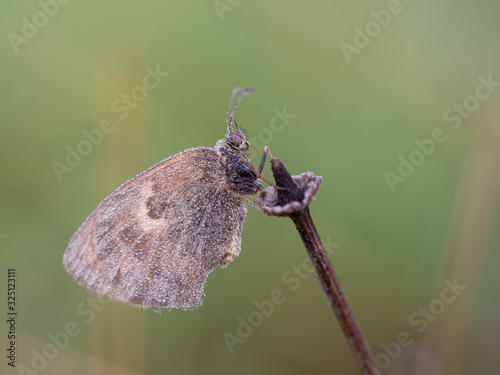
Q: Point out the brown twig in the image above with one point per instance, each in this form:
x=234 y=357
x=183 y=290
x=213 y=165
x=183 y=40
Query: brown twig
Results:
x=292 y=200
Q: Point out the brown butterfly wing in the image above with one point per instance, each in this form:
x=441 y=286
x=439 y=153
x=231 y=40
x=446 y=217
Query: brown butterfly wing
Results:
x=155 y=239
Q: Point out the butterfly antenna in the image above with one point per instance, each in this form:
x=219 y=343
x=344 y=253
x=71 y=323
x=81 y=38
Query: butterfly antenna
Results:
x=235 y=91
x=243 y=93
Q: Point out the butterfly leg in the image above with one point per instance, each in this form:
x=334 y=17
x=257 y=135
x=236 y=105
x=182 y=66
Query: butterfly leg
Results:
x=267 y=150
x=261 y=166
x=235 y=193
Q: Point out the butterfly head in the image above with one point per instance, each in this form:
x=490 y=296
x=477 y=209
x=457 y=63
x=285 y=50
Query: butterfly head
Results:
x=237 y=138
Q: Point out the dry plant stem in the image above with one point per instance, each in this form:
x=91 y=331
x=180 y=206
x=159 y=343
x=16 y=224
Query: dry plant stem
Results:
x=331 y=286
x=288 y=192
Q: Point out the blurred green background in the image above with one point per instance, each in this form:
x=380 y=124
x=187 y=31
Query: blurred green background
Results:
x=357 y=109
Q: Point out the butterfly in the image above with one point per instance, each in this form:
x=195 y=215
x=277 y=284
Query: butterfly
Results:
x=154 y=240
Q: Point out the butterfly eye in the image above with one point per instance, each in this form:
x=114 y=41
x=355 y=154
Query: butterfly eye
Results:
x=239 y=142
x=236 y=139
